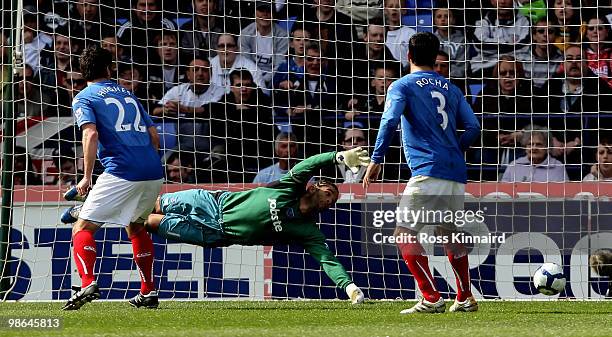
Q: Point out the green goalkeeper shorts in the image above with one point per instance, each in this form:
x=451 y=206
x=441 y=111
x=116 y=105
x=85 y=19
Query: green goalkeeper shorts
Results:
x=192 y=216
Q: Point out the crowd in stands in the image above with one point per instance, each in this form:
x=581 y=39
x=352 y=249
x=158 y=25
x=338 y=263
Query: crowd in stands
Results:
x=248 y=87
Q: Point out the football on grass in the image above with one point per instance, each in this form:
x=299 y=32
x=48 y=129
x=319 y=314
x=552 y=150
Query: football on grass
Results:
x=549 y=279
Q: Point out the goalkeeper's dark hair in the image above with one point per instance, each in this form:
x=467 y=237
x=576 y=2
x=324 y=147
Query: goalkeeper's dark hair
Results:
x=95 y=62
x=423 y=49
x=324 y=182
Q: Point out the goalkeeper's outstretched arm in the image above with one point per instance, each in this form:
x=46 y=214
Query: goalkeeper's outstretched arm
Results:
x=315 y=245
x=307 y=168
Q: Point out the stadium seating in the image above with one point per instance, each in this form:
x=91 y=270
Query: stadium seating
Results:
x=337 y=39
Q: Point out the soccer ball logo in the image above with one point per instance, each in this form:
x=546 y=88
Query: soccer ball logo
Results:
x=549 y=279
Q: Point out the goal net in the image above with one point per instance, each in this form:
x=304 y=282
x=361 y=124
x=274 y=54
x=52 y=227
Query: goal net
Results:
x=241 y=90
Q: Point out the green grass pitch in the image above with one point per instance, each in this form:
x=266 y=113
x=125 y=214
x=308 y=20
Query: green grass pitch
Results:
x=316 y=318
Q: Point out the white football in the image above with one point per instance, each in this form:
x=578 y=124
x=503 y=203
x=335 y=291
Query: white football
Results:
x=549 y=279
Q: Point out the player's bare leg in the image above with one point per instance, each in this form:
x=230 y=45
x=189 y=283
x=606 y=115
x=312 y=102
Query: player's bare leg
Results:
x=84 y=254
x=152 y=222
x=418 y=264
x=142 y=248
x=154 y=219
x=146 y=298
x=458 y=258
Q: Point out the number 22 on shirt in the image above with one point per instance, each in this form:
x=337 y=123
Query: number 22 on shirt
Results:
x=121 y=118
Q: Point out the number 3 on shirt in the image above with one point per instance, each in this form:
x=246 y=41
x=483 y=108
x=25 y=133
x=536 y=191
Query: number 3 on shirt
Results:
x=440 y=107
x=119 y=126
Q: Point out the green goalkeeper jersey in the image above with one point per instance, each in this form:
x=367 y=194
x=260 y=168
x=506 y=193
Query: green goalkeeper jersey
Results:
x=271 y=215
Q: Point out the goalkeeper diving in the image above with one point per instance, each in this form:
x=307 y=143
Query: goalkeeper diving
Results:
x=283 y=212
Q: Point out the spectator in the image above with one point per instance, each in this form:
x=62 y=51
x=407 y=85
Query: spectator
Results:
x=452 y=41
x=545 y=59
x=241 y=13
x=598 y=52
x=55 y=62
x=503 y=31
x=242 y=123
x=30 y=100
x=333 y=30
x=313 y=104
x=505 y=108
x=360 y=12
x=130 y=77
x=185 y=104
x=374 y=48
x=74 y=83
x=442 y=67
x=313 y=89
x=285 y=149
x=23 y=170
x=602 y=170
x=566 y=19
x=264 y=42
x=295 y=61
x=179 y=168
x=229 y=59
x=366 y=58
x=54 y=14
x=138 y=34
x=164 y=73
x=109 y=42
x=199 y=35
x=537 y=165
x=579 y=103
x=576 y=77
x=352 y=138
x=34 y=39
x=382 y=79
x=86 y=28
x=397 y=35
x=71 y=85
x=368 y=115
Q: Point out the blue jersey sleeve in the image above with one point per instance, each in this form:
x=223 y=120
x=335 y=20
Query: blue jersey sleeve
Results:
x=83 y=111
x=469 y=122
x=394 y=108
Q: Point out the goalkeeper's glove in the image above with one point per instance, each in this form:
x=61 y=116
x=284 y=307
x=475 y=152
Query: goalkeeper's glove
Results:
x=353 y=158
x=354 y=293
